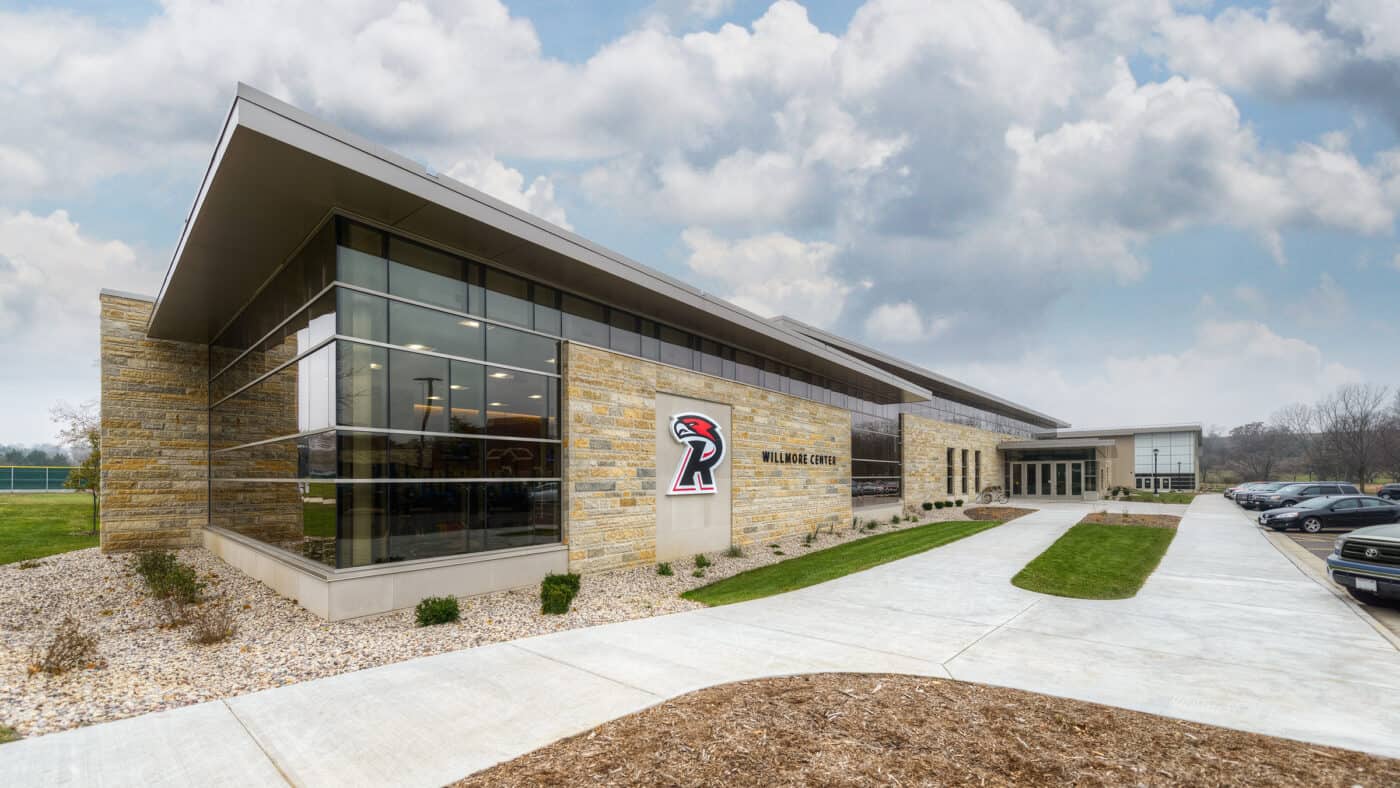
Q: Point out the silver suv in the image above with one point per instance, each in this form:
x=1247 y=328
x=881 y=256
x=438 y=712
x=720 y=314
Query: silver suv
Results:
x=1294 y=494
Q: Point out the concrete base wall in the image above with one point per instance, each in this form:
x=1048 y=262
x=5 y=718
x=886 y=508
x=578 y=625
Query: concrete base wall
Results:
x=154 y=432
x=336 y=596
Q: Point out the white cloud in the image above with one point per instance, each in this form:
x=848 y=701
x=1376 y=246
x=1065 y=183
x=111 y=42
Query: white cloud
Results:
x=507 y=184
x=1244 y=49
x=769 y=274
x=1325 y=303
x=669 y=15
x=1229 y=374
x=1249 y=296
x=50 y=272
x=902 y=323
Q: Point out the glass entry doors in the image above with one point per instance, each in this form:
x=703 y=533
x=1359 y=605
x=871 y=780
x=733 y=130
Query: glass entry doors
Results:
x=1052 y=479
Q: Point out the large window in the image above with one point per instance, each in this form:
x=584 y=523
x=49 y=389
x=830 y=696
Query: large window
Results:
x=876 y=470
x=399 y=420
x=949 y=466
x=964 y=471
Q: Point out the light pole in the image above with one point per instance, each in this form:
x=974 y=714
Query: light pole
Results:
x=1154 y=472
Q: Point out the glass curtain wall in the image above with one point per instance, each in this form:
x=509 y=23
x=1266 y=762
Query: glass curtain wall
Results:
x=876 y=470
x=353 y=427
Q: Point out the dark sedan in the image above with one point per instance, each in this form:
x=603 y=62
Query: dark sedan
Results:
x=1391 y=491
x=1251 y=498
x=1340 y=511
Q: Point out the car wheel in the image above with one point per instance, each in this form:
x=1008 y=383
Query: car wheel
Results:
x=1364 y=597
x=1288 y=503
x=1312 y=525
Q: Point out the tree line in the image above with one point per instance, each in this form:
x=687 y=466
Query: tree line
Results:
x=15 y=454
x=1352 y=434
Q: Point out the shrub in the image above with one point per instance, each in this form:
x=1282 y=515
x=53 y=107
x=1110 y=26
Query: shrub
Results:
x=734 y=551
x=180 y=584
x=171 y=612
x=938 y=504
x=928 y=505
x=557 y=593
x=435 y=610
x=213 y=623
x=8 y=734
x=701 y=561
x=29 y=564
x=664 y=569
x=958 y=503
x=894 y=520
x=151 y=564
x=70 y=648
x=698 y=573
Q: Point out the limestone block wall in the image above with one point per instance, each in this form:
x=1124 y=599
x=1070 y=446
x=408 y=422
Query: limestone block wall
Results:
x=154 y=432
x=925 y=455
x=610 y=457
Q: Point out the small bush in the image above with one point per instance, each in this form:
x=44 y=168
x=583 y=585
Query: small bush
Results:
x=151 y=564
x=779 y=552
x=213 y=623
x=938 y=504
x=180 y=584
x=701 y=561
x=171 y=612
x=734 y=551
x=69 y=649
x=29 y=564
x=664 y=569
x=928 y=505
x=894 y=520
x=8 y=734
x=557 y=592
x=698 y=573
x=958 y=503
x=435 y=610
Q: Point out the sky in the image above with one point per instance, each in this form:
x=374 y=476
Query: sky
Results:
x=1112 y=211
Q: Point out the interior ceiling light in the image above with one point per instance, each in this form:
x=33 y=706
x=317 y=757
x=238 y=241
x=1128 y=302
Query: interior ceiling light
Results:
x=501 y=375
x=536 y=396
x=497 y=404
x=470 y=324
x=417 y=347
x=457 y=387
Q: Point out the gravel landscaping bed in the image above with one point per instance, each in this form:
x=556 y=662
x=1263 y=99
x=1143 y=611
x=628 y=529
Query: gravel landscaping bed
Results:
x=855 y=729
x=145 y=668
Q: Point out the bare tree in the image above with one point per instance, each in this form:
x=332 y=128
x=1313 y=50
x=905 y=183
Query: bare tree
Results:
x=1256 y=448
x=1297 y=424
x=80 y=428
x=1352 y=424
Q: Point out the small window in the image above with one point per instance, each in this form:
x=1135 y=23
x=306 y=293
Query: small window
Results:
x=1313 y=491
x=1345 y=504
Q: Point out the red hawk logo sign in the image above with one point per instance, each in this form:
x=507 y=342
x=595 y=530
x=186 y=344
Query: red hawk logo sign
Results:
x=704 y=451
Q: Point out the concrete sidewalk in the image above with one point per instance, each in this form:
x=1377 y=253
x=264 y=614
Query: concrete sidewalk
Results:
x=1227 y=631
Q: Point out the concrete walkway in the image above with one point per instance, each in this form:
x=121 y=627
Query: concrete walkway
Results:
x=1227 y=631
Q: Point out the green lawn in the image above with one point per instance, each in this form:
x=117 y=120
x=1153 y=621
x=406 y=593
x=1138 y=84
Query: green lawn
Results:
x=1097 y=561
x=833 y=562
x=33 y=525
x=1165 y=497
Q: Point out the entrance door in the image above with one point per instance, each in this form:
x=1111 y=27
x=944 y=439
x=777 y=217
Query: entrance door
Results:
x=1061 y=479
x=1076 y=484
x=1047 y=482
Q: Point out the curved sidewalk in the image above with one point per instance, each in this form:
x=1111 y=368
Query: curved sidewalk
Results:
x=1227 y=631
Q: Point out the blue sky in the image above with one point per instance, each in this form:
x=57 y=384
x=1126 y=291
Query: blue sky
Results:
x=1111 y=210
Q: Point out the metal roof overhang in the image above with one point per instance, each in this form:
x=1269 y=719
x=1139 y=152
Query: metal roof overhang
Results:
x=277 y=173
x=1057 y=443
x=940 y=385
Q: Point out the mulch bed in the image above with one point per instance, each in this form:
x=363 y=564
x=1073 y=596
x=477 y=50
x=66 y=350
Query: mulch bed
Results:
x=860 y=729
x=1002 y=513
x=1125 y=518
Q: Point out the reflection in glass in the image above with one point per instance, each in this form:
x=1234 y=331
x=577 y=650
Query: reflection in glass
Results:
x=427 y=275
x=434 y=456
x=519 y=514
x=675 y=347
x=362 y=315
x=508 y=298
x=585 y=321
x=362 y=385
x=417 y=328
x=624 y=337
x=429 y=520
x=467 y=396
x=361 y=455
x=518 y=404
x=521 y=349
x=547 y=310
x=521 y=459
x=418 y=391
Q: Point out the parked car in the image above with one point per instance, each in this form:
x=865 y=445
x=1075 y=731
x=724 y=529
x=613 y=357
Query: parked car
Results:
x=1340 y=511
x=1230 y=491
x=1254 y=496
x=1391 y=491
x=1236 y=492
x=1294 y=494
x=1367 y=563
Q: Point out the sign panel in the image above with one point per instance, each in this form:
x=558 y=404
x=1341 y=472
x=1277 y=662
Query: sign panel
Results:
x=703 y=440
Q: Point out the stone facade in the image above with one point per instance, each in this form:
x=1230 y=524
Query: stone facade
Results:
x=610 y=457
x=154 y=432
x=925 y=459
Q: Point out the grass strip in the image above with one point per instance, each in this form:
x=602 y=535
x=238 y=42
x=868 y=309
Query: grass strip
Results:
x=34 y=525
x=1093 y=561
x=833 y=562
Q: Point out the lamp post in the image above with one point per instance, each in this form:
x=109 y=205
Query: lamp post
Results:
x=1154 y=472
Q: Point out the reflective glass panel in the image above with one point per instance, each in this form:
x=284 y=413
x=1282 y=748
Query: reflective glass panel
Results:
x=417 y=328
x=418 y=391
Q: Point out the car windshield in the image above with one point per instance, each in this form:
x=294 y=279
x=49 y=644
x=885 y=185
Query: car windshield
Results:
x=1316 y=503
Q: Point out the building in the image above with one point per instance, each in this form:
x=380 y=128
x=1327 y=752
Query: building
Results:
x=363 y=383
